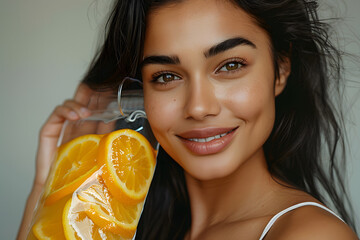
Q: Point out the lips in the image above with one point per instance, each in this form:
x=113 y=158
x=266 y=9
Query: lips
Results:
x=207 y=141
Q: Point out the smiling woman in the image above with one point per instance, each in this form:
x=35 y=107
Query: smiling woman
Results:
x=218 y=85
x=237 y=94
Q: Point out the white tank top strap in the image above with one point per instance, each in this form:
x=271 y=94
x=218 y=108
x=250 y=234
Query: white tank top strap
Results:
x=277 y=216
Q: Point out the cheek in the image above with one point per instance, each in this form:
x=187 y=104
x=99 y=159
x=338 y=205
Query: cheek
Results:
x=254 y=104
x=161 y=112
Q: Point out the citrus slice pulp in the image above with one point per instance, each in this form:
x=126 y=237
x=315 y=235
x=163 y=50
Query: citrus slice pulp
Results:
x=84 y=226
x=49 y=223
x=129 y=164
x=108 y=213
x=76 y=161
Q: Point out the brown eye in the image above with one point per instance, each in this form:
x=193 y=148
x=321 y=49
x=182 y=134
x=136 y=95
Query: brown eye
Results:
x=231 y=66
x=168 y=77
x=165 y=78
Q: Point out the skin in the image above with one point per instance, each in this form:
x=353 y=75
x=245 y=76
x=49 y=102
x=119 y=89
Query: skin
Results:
x=232 y=195
x=231 y=192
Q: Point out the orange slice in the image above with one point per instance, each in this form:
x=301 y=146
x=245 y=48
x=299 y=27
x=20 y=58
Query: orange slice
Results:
x=109 y=213
x=77 y=226
x=49 y=224
x=75 y=163
x=129 y=163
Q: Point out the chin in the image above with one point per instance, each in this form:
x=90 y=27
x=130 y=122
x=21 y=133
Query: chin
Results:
x=208 y=170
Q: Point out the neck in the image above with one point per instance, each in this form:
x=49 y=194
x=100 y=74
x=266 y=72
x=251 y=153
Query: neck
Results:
x=240 y=196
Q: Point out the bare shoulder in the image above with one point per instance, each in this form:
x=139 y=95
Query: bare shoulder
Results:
x=310 y=222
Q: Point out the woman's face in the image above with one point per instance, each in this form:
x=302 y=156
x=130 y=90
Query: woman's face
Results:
x=209 y=85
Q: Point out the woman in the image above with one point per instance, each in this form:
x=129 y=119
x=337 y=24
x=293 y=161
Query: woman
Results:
x=237 y=94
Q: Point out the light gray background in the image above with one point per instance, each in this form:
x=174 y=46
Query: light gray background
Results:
x=46 y=47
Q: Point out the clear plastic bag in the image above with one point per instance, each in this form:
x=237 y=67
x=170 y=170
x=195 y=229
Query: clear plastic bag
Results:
x=101 y=173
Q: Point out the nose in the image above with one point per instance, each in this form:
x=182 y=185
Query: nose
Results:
x=201 y=101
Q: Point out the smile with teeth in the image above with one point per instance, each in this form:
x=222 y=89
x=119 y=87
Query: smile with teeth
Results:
x=205 y=141
x=208 y=139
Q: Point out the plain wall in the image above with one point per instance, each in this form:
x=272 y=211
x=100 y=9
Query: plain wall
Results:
x=46 y=47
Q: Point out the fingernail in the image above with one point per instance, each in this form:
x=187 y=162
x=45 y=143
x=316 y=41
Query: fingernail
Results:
x=73 y=115
x=84 y=111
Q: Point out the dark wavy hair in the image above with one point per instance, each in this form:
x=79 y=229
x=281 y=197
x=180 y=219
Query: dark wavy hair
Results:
x=306 y=146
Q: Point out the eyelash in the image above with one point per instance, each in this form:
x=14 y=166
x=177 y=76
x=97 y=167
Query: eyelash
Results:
x=242 y=62
x=155 y=77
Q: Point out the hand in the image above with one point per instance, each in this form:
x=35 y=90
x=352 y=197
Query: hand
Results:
x=73 y=109
x=49 y=135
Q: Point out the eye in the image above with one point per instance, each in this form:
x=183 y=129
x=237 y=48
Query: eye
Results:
x=164 y=77
x=231 y=66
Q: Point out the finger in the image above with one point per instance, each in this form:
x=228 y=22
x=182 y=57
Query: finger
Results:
x=83 y=94
x=78 y=108
x=62 y=113
x=53 y=125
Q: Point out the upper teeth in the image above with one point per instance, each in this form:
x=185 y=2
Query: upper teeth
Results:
x=208 y=139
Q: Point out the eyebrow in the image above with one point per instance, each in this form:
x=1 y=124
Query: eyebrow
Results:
x=228 y=44
x=162 y=59
x=218 y=48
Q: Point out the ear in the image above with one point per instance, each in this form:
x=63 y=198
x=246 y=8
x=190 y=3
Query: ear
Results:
x=284 y=72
